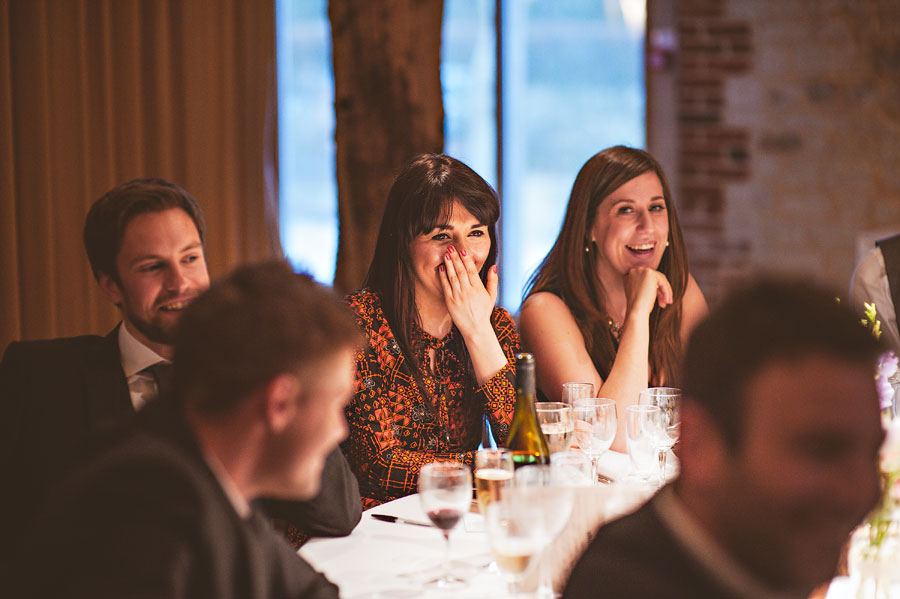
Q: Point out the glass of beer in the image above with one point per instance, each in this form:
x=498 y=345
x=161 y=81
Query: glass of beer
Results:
x=493 y=472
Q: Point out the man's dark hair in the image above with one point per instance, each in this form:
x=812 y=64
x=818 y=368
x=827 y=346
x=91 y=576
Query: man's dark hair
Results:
x=766 y=322
x=105 y=223
x=255 y=324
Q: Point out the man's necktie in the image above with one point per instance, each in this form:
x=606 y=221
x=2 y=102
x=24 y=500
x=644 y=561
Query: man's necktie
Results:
x=162 y=372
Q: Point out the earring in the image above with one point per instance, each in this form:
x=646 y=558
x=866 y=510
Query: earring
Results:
x=587 y=249
x=667 y=243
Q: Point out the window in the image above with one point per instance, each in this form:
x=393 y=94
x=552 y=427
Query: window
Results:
x=306 y=168
x=572 y=84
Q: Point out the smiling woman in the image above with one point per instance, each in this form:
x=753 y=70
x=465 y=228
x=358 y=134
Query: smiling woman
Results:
x=613 y=302
x=439 y=356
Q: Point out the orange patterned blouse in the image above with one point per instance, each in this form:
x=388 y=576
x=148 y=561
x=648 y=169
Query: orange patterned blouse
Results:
x=394 y=429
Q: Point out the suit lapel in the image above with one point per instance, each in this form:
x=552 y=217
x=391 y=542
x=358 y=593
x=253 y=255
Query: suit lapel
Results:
x=257 y=529
x=108 y=401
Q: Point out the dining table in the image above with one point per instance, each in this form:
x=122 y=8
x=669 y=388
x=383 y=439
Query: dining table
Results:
x=394 y=560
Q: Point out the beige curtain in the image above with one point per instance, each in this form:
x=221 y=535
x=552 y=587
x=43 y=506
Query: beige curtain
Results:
x=96 y=92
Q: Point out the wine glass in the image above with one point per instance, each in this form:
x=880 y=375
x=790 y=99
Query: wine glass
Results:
x=493 y=473
x=668 y=400
x=556 y=423
x=641 y=422
x=445 y=491
x=554 y=502
x=573 y=391
x=595 y=428
x=514 y=539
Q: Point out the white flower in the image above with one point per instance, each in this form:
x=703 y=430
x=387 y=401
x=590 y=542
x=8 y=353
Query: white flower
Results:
x=886 y=368
x=890 y=449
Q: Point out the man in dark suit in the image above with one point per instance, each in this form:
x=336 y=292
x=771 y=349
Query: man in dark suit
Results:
x=264 y=365
x=145 y=242
x=780 y=434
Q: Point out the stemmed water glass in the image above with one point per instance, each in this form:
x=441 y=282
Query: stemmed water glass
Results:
x=668 y=400
x=641 y=423
x=556 y=423
x=445 y=491
x=595 y=427
x=514 y=537
x=554 y=502
x=573 y=391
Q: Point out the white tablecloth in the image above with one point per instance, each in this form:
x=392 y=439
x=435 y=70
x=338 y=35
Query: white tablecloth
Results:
x=391 y=560
x=381 y=560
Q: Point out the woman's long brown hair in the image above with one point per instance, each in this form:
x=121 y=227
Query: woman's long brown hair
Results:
x=569 y=271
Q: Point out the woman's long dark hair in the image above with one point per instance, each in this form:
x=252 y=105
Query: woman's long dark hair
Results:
x=421 y=198
x=569 y=271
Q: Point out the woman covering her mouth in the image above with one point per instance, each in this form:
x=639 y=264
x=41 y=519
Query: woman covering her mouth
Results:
x=613 y=302
x=439 y=357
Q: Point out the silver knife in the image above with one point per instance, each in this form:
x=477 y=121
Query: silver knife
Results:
x=399 y=520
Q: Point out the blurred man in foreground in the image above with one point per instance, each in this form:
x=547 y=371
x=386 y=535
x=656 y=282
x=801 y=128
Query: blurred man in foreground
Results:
x=264 y=364
x=779 y=445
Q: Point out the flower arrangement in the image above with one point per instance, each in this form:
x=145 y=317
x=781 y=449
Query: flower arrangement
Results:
x=874 y=553
x=882 y=517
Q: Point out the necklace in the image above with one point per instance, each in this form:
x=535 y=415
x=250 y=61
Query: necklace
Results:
x=615 y=327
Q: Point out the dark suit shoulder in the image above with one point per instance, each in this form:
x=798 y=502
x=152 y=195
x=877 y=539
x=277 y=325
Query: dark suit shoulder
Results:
x=33 y=367
x=128 y=471
x=146 y=517
x=128 y=518
x=334 y=512
x=52 y=348
x=637 y=557
x=54 y=394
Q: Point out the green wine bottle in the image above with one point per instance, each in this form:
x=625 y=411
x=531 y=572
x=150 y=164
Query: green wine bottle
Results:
x=525 y=440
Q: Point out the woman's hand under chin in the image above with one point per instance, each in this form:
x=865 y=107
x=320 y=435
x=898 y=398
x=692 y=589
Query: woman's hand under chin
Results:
x=469 y=302
x=645 y=287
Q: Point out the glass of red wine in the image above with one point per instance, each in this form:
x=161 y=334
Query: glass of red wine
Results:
x=445 y=490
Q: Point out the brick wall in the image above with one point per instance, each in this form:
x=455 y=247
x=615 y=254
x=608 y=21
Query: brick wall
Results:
x=788 y=134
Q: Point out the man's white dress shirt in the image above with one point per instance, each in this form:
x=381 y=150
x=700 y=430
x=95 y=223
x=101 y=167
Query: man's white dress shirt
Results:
x=135 y=358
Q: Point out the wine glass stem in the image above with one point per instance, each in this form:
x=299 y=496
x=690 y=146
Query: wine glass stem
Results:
x=595 y=479
x=446 y=575
x=663 y=453
x=545 y=586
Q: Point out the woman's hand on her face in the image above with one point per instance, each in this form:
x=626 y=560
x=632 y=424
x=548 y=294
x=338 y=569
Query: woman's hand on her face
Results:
x=469 y=302
x=645 y=287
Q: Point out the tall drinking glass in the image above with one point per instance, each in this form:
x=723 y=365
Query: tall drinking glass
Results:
x=668 y=400
x=573 y=391
x=445 y=491
x=571 y=468
x=556 y=423
x=641 y=422
x=554 y=503
x=595 y=427
x=493 y=474
x=514 y=538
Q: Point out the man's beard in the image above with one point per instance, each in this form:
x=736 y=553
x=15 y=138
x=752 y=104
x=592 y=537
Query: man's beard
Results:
x=157 y=330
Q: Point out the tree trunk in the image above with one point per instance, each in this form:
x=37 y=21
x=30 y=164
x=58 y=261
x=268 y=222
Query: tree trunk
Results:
x=388 y=108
